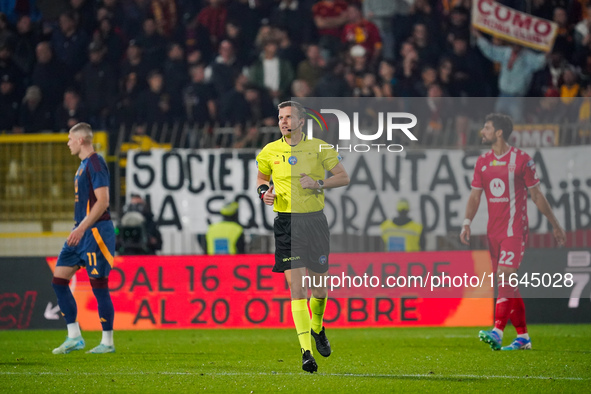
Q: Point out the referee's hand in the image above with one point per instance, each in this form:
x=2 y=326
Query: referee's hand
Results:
x=307 y=182
x=269 y=196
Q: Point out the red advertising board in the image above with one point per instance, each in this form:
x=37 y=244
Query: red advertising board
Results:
x=158 y=292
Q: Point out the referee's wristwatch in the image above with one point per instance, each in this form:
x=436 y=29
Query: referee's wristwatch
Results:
x=320 y=184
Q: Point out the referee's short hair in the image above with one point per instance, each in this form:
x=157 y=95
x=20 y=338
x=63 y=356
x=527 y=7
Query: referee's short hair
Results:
x=294 y=104
x=85 y=131
x=501 y=122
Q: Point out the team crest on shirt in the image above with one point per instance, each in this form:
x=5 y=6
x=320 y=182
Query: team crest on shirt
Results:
x=292 y=160
x=322 y=260
x=511 y=167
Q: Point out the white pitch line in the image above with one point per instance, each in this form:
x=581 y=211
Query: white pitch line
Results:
x=345 y=375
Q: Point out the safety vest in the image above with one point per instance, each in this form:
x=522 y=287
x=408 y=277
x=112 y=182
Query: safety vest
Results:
x=405 y=238
x=222 y=237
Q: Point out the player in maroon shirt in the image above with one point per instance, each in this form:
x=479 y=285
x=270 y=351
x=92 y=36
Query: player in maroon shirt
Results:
x=506 y=174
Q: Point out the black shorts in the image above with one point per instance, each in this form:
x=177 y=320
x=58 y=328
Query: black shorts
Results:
x=301 y=240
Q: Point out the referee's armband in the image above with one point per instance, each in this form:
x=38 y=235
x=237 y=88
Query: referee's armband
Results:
x=261 y=190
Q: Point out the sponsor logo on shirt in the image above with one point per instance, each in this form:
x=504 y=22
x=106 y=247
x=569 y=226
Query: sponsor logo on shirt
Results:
x=499 y=199
x=495 y=163
x=497 y=187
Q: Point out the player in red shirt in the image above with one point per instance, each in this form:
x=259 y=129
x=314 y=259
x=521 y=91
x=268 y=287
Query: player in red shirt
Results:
x=506 y=174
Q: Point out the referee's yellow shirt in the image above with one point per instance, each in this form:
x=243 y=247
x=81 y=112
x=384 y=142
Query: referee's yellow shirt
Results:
x=285 y=163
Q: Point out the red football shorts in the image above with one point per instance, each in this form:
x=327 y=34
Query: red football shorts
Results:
x=507 y=252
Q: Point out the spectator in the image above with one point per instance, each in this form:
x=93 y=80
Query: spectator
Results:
x=233 y=106
x=287 y=49
x=564 y=38
x=329 y=17
x=8 y=67
x=582 y=31
x=197 y=41
x=98 y=85
x=360 y=31
x=248 y=14
x=427 y=49
x=333 y=83
x=70 y=43
x=85 y=15
x=296 y=19
x=223 y=70
x=133 y=15
x=468 y=68
x=407 y=70
x=369 y=86
x=153 y=104
x=134 y=63
x=175 y=78
x=381 y=13
x=125 y=112
x=13 y=9
x=569 y=89
x=550 y=77
x=117 y=14
x=71 y=112
x=272 y=72
x=234 y=34
x=9 y=104
x=113 y=39
x=517 y=68
x=311 y=69
x=359 y=64
x=6 y=35
x=153 y=45
x=387 y=80
x=445 y=77
x=213 y=18
x=199 y=98
x=35 y=115
x=49 y=74
x=165 y=15
x=260 y=113
x=24 y=45
x=428 y=78
x=458 y=24
x=300 y=88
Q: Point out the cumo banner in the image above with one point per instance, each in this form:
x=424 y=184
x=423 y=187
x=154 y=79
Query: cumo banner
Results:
x=514 y=26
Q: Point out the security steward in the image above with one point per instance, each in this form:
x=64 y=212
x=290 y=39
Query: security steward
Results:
x=227 y=236
x=402 y=234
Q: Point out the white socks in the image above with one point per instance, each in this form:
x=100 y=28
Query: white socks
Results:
x=107 y=338
x=498 y=332
x=524 y=336
x=73 y=330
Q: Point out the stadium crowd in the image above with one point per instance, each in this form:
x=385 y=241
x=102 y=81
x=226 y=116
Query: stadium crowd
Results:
x=146 y=63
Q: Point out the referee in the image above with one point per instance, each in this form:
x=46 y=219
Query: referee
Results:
x=302 y=241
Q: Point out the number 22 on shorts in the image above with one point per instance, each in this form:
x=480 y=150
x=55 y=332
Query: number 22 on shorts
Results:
x=508 y=255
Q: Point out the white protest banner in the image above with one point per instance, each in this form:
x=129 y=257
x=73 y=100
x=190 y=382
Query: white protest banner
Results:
x=514 y=26
x=187 y=188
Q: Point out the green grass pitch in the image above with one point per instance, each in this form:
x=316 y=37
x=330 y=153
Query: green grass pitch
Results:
x=363 y=360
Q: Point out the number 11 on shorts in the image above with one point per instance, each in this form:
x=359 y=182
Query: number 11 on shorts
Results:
x=91 y=256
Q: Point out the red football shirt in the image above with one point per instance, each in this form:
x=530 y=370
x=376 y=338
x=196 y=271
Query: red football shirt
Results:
x=505 y=181
x=327 y=9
